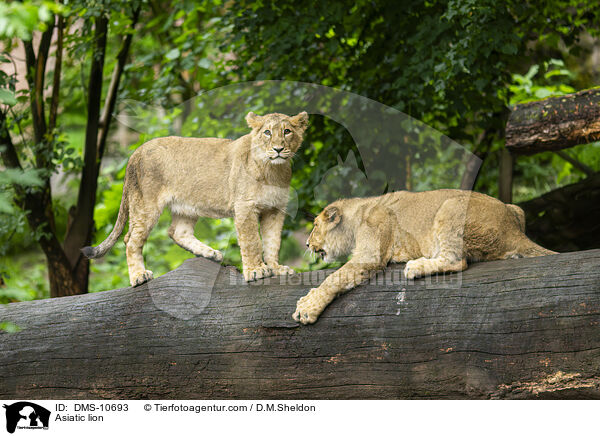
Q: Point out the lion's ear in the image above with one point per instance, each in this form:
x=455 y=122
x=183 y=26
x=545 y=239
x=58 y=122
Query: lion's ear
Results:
x=300 y=121
x=254 y=121
x=333 y=215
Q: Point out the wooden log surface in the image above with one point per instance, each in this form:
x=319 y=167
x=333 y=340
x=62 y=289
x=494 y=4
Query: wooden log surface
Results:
x=554 y=123
x=520 y=328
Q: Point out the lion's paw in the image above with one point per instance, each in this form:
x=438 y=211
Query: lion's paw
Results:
x=215 y=255
x=413 y=269
x=257 y=273
x=141 y=278
x=282 y=270
x=309 y=307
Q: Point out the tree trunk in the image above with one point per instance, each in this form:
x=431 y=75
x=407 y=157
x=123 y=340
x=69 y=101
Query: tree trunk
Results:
x=79 y=233
x=568 y=218
x=520 y=328
x=554 y=123
x=68 y=270
x=62 y=280
x=505 y=176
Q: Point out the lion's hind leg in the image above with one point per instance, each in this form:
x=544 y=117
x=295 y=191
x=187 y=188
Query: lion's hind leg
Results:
x=140 y=225
x=181 y=232
x=448 y=236
x=426 y=267
x=519 y=215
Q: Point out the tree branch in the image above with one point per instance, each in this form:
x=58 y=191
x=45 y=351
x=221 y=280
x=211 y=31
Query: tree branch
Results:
x=576 y=164
x=36 y=69
x=30 y=63
x=79 y=234
x=554 y=123
x=113 y=88
x=9 y=153
x=40 y=73
x=505 y=176
x=56 y=80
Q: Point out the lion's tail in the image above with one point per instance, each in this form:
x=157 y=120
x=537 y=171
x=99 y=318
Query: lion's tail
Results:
x=527 y=248
x=107 y=244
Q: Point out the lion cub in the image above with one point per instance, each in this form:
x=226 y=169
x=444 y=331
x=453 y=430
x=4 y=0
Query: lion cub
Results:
x=432 y=231
x=247 y=178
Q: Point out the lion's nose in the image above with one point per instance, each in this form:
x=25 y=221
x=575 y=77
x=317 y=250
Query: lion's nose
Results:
x=307 y=243
x=278 y=149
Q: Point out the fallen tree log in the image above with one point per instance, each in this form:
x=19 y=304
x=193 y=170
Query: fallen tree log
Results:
x=567 y=218
x=521 y=328
x=554 y=123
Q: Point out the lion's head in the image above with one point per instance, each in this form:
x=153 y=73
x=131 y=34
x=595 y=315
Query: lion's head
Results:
x=329 y=239
x=276 y=137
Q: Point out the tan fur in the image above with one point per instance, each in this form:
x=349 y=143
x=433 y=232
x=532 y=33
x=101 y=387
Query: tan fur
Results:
x=433 y=231
x=247 y=178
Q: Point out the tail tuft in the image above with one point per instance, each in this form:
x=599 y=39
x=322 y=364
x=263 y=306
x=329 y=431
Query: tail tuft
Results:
x=102 y=249
x=89 y=252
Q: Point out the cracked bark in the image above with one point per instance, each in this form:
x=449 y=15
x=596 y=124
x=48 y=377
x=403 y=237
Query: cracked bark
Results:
x=554 y=123
x=521 y=328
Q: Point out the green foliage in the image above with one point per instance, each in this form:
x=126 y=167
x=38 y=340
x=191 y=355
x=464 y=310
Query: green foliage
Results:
x=12 y=219
x=20 y=19
x=175 y=52
x=546 y=171
x=456 y=65
x=421 y=58
x=551 y=81
x=7 y=97
x=9 y=327
x=23 y=287
x=15 y=177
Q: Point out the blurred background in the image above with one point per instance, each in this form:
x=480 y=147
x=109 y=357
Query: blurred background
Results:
x=84 y=83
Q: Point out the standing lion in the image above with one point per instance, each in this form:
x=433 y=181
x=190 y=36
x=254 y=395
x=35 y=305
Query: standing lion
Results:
x=247 y=178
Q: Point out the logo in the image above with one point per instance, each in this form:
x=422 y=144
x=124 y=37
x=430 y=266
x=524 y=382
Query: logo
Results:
x=26 y=415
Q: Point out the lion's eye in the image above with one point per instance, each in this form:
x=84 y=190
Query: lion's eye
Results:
x=267 y=132
x=287 y=131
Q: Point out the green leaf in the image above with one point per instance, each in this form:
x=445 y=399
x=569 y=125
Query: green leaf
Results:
x=532 y=72
x=5 y=204
x=543 y=93
x=9 y=327
x=173 y=54
x=205 y=63
x=7 y=97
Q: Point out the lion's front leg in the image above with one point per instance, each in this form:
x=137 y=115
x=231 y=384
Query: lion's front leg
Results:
x=271 y=224
x=246 y=224
x=309 y=307
x=347 y=277
x=372 y=252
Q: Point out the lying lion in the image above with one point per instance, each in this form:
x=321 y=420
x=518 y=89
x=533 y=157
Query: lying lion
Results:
x=433 y=232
